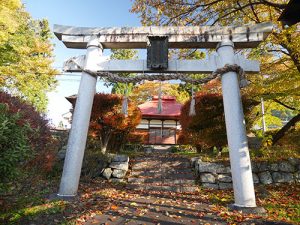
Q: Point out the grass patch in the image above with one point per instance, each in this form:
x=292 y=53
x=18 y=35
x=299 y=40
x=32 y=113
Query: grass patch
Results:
x=274 y=153
x=130 y=153
x=31 y=212
x=208 y=155
x=29 y=202
x=268 y=153
x=282 y=204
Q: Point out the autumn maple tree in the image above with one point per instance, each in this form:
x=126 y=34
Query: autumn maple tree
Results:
x=108 y=124
x=207 y=128
x=278 y=54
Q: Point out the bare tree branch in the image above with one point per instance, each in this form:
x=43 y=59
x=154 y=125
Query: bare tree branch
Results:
x=254 y=13
x=283 y=104
x=273 y=4
x=279 y=50
x=236 y=10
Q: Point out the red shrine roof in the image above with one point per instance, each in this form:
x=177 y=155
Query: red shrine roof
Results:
x=170 y=108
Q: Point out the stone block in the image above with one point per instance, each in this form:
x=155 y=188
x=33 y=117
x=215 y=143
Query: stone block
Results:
x=119 y=173
x=117 y=180
x=141 y=165
x=207 y=178
x=254 y=167
x=223 y=186
x=263 y=166
x=224 y=178
x=285 y=166
x=208 y=167
x=107 y=173
x=193 y=161
x=120 y=158
x=119 y=165
x=209 y=185
x=189 y=188
x=265 y=177
x=224 y=170
x=294 y=161
x=255 y=178
x=274 y=167
x=279 y=177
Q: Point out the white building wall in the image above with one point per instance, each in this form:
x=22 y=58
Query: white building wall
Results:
x=157 y=123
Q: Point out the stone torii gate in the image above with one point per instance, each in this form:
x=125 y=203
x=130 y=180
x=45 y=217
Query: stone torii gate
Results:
x=224 y=39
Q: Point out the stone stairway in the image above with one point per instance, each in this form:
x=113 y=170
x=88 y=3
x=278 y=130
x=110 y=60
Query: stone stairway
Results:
x=160 y=170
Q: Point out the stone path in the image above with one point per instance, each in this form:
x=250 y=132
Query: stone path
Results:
x=160 y=209
x=161 y=190
x=159 y=170
x=165 y=193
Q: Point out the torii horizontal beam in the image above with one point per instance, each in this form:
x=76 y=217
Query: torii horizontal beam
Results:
x=248 y=36
x=140 y=66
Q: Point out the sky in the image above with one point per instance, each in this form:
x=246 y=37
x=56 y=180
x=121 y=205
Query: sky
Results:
x=84 y=13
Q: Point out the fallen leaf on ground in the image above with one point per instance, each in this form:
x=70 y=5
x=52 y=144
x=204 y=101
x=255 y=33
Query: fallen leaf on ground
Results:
x=114 y=207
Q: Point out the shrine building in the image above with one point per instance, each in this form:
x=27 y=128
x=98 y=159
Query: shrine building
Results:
x=160 y=127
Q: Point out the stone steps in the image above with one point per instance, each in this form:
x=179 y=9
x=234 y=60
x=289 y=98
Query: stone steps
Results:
x=158 y=167
x=160 y=181
x=162 y=171
x=171 y=188
x=165 y=176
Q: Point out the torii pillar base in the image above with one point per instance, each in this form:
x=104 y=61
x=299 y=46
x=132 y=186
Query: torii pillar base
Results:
x=248 y=210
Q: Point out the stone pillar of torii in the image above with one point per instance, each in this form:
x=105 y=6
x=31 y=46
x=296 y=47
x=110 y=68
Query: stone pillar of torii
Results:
x=224 y=39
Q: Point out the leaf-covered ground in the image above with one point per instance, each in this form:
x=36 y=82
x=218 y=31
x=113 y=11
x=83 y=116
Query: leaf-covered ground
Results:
x=100 y=202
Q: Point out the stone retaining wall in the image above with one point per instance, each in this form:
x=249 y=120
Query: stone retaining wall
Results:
x=117 y=168
x=218 y=175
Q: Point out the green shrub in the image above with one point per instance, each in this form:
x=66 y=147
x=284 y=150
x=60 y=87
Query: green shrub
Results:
x=14 y=145
x=26 y=144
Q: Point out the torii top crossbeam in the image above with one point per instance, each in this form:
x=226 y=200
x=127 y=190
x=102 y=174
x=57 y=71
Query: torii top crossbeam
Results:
x=248 y=36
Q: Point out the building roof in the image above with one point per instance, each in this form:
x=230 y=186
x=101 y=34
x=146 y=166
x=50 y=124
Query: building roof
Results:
x=170 y=108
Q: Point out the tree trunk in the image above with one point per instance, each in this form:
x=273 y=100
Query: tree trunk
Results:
x=219 y=148
x=285 y=128
x=124 y=136
x=103 y=149
x=104 y=139
x=102 y=145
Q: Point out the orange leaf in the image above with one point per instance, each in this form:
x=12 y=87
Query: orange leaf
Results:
x=114 y=207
